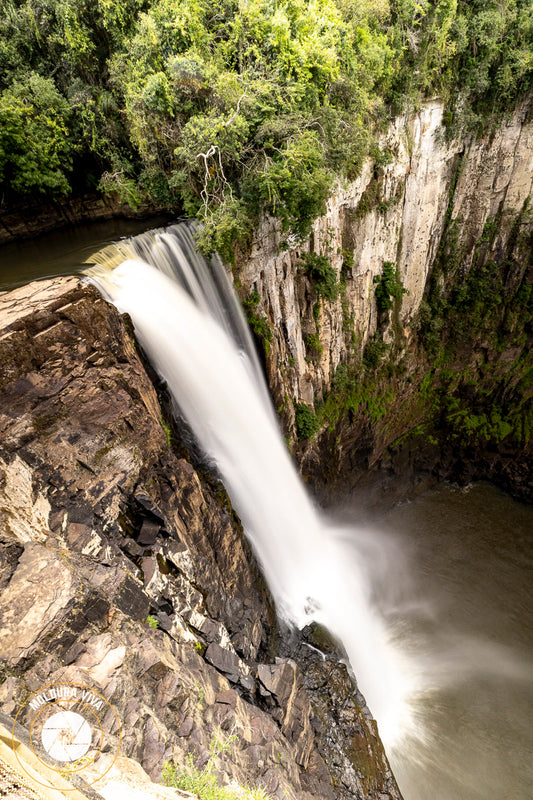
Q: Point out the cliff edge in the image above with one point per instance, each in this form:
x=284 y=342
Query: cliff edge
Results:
x=124 y=569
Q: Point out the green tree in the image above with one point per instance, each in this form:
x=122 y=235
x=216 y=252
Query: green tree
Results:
x=228 y=108
x=35 y=152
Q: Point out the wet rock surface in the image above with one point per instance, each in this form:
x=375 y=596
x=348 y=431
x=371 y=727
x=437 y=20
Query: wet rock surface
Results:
x=347 y=736
x=105 y=529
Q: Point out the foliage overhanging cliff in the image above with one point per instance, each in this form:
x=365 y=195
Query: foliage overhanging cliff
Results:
x=400 y=333
x=225 y=109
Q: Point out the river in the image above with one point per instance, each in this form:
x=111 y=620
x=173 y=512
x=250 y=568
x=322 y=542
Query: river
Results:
x=63 y=252
x=459 y=582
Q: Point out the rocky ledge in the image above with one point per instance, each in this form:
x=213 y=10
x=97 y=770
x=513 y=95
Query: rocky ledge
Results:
x=106 y=528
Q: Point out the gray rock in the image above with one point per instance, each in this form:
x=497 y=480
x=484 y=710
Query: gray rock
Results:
x=223 y=660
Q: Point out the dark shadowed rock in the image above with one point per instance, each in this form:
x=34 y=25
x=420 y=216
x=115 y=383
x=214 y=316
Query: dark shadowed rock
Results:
x=224 y=661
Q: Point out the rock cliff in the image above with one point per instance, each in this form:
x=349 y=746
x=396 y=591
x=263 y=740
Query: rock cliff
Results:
x=420 y=194
x=105 y=526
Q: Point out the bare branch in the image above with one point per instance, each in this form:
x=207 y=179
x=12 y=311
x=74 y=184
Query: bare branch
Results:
x=215 y=152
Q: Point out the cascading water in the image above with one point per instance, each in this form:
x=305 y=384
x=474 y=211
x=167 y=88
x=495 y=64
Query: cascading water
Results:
x=441 y=604
x=406 y=659
x=189 y=322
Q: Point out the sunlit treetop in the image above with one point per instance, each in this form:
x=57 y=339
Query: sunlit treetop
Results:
x=226 y=108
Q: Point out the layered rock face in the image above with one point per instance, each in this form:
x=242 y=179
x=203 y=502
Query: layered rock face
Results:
x=401 y=222
x=32 y=220
x=105 y=521
x=406 y=227
x=104 y=525
x=420 y=186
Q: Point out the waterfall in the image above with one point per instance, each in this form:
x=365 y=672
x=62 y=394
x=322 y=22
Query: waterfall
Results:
x=189 y=323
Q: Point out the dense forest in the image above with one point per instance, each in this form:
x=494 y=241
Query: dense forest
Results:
x=221 y=109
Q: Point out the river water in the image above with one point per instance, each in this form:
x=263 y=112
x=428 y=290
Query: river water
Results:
x=453 y=575
x=459 y=578
x=65 y=251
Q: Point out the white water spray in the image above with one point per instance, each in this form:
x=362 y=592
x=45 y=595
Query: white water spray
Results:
x=199 y=344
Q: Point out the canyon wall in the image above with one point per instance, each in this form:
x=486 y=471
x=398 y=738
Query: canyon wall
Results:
x=403 y=224
x=105 y=520
x=421 y=187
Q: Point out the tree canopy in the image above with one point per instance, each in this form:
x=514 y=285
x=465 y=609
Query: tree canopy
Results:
x=221 y=109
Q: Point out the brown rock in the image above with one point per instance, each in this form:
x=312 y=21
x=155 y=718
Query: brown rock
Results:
x=35 y=602
x=85 y=466
x=223 y=660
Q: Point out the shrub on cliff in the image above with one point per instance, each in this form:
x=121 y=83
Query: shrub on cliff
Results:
x=388 y=287
x=322 y=274
x=306 y=421
x=203 y=782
